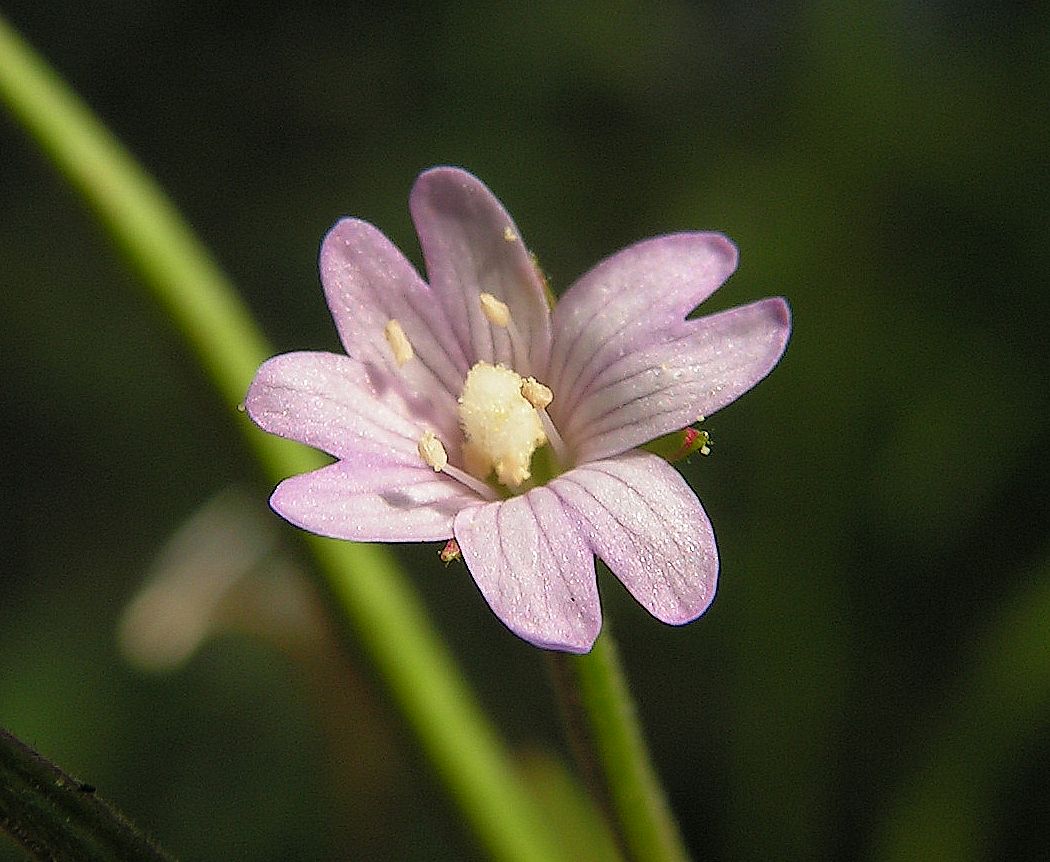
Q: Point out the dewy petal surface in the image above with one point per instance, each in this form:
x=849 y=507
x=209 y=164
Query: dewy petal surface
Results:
x=639 y=515
x=534 y=569
x=370 y=499
x=693 y=370
x=630 y=299
x=471 y=246
x=327 y=401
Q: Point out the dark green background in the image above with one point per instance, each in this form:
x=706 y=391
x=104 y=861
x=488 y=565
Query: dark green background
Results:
x=880 y=501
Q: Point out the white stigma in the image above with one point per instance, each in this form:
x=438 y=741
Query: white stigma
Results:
x=502 y=427
x=495 y=311
x=399 y=343
x=432 y=452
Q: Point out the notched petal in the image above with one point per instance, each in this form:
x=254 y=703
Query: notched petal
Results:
x=639 y=515
x=471 y=247
x=629 y=299
x=385 y=313
x=656 y=389
x=534 y=569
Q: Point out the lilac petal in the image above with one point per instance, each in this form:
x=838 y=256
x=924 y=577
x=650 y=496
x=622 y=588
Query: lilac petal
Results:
x=327 y=401
x=534 y=569
x=471 y=246
x=639 y=515
x=368 y=283
x=629 y=299
x=703 y=365
x=371 y=499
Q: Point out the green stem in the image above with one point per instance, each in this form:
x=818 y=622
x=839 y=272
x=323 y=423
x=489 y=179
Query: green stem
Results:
x=380 y=607
x=610 y=747
x=55 y=817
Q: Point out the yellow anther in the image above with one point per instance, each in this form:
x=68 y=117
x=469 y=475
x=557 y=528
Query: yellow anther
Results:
x=538 y=395
x=497 y=312
x=432 y=452
x=399 y=343
x=509 y=235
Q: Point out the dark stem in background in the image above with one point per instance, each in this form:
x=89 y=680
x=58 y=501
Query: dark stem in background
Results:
x=580 y=739
x=375 y=599
x=610 y=749
x=57 y=818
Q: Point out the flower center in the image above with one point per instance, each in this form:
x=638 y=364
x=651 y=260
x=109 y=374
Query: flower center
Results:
x=498 y=413
x=503 y=416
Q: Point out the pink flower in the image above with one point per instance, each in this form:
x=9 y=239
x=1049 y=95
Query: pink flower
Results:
x=465 y=408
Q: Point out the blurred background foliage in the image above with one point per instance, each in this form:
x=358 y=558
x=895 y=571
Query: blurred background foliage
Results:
x=874 y=679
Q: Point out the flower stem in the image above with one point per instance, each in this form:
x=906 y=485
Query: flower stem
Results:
x=54 y=816
x=378 y=606
x=609 y=745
